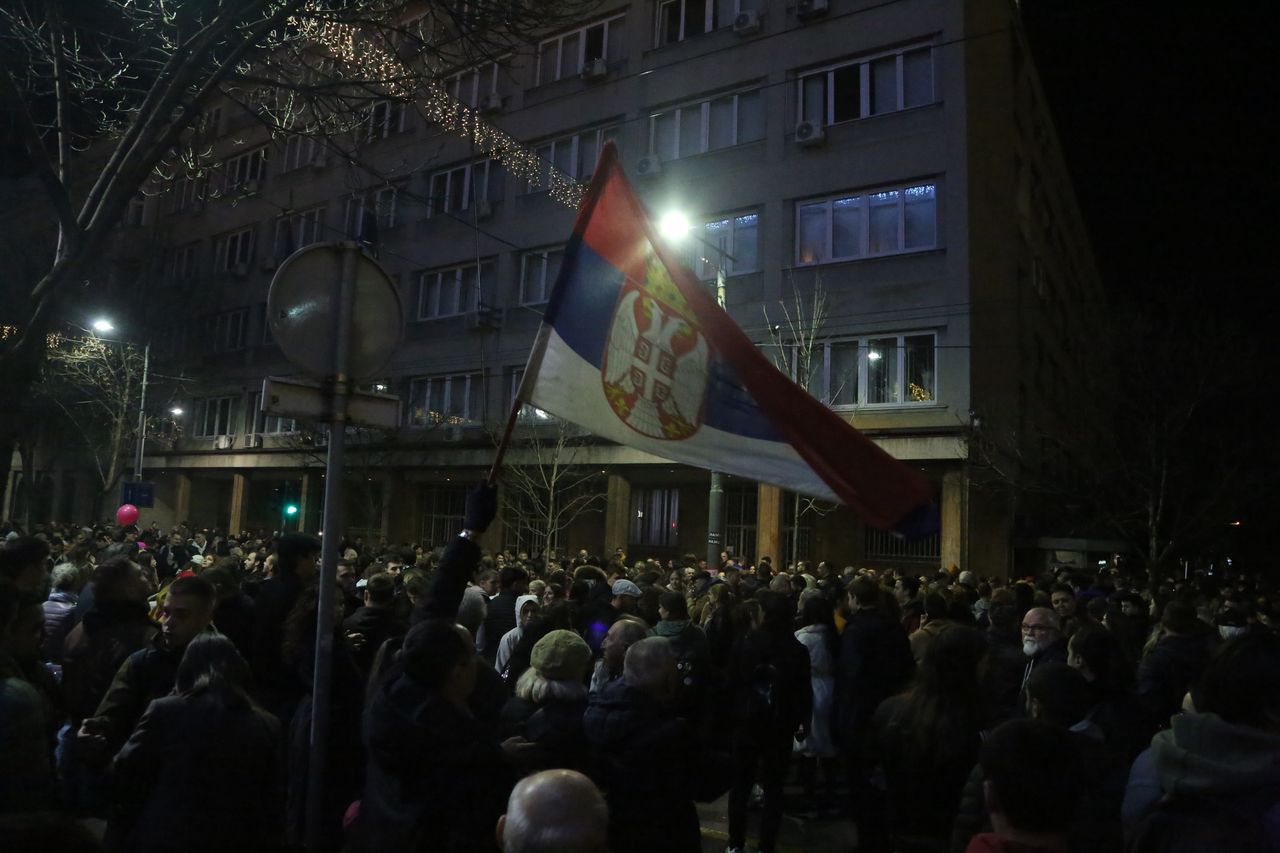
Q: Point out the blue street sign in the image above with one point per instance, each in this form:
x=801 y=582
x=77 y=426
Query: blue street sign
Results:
x=141 y=495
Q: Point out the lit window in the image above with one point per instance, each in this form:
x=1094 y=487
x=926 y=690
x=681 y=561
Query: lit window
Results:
x=879 y=370
x=878 y=222
x=449 y=399
x=538 y=271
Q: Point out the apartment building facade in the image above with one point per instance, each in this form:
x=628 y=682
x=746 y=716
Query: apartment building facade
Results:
x=895 y=161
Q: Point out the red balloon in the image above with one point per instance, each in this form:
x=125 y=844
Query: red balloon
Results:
x=127 y=514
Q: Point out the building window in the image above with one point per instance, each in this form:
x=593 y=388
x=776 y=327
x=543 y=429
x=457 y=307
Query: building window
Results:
x=442 y=510
x=471 y=85
x=451 y=399
x=452 y=291
x=378 y=208
x=565 y=55
x=245 y=171
x=730 y=241
x=528 y=414
x=297 y=230
x=879 y=370
x=866 y=87
x=214 y=416
x=302 y=150
x=382 y=119
x=454 y=189
x=185 y=194
x=740 y=505
x=708 y=125
x=877 y=222
x=230 y=330
x=655 y=517
x=234 y=252
x=538 y=271
x=183 y=264
x=678 y=20
x=573 y=156
x=883 y=545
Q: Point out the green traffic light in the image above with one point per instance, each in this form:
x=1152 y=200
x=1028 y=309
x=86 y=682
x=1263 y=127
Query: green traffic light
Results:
x=291 y=509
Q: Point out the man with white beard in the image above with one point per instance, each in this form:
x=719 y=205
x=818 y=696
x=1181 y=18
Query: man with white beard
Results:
x=1042 y=640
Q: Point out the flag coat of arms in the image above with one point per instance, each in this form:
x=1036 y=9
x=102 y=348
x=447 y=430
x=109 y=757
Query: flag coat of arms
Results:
x=633 y=348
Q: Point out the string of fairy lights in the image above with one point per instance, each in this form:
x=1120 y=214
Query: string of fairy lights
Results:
x=368 y=60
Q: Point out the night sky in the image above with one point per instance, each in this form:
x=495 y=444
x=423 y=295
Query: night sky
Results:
x=1166 y=117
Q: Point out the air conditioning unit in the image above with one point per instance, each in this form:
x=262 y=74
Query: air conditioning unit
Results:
x=240 y=270
x=648 y=167
x=746 y=22
x=452 y=432
x=249 y=186
x=809 y=133
x=484 y=209
x=253 y=439
x=806 y=9
x=595 y=69
x=224 y=442
x=491 y=103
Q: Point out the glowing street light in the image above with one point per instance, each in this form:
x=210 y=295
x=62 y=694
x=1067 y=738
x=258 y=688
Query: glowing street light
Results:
x=176 y=411
x=674 y=225
x=102 y=325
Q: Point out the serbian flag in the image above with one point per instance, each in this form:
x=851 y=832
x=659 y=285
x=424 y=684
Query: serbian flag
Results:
x=634 y=349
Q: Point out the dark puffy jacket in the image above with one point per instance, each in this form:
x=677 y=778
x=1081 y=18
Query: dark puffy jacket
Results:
x=556 y=728
x=146 y=675
x=875 y=663
x=643 y=756
x=435 y=780
x=201 y=773
x=60 y=616
x=1169 y=670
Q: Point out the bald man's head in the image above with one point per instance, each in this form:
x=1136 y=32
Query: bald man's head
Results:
x=555 y=811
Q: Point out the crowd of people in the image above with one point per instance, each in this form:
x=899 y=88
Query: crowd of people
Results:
x=160 y=686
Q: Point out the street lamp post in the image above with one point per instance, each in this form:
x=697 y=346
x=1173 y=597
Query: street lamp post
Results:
x=102 y=326
x=675 y=226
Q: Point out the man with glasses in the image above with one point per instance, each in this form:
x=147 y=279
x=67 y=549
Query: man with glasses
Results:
x=1042 y=640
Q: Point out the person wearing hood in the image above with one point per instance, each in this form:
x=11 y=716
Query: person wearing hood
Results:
x=527 y=607
x=1212 y=781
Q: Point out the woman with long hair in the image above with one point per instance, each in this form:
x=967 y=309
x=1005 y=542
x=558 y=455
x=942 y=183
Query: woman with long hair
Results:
x=927 y=740
x=196 y=757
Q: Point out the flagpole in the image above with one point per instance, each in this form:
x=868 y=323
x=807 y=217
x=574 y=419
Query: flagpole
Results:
x=715 y=497
x=516 y=404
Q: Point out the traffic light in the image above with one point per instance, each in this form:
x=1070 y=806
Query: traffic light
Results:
x=291 y=509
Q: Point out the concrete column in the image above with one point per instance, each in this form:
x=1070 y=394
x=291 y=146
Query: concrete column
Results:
x=182 y=506
x=769 y=523
x=617 y=514
x=304 y=489
x=952 y=519
x=239 y=499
